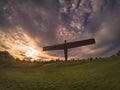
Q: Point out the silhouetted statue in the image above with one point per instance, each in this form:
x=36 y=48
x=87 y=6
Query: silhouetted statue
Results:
x=69 y=45
x=66 y=51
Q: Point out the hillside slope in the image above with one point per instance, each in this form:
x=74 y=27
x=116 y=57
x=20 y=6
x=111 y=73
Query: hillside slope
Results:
x=101 y=74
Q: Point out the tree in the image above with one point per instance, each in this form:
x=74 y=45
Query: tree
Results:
x=91 y=58
x=118 y=53
x=5 y=57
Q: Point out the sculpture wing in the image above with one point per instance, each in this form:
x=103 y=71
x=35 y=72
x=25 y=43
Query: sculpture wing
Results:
x=54 y=47
x=80 y=43
x=69 y=45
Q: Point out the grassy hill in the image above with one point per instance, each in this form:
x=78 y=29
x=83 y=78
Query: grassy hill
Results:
x=100 y=74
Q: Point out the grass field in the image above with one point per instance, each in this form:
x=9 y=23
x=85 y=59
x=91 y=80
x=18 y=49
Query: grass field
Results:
x=101 y=74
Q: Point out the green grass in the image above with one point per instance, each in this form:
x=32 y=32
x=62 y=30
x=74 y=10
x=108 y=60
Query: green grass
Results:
x=101 y=74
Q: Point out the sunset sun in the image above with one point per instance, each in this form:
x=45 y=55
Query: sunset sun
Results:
x=30 y=52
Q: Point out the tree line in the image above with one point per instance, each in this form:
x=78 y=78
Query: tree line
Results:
x=5 y=57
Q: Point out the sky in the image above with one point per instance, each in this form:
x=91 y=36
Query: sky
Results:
x=26 y=26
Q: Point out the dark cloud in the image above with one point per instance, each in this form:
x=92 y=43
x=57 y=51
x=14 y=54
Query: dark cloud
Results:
x=3 y=20
x=46 y=18
x=37 y=17
x=100 y=20
x=110 y=26
x=49 y=22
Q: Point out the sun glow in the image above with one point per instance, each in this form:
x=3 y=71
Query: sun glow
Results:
x=22 y=46
x=30 y=52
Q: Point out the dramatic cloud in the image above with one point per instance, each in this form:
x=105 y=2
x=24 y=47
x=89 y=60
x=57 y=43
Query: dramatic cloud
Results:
x=27 y=26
